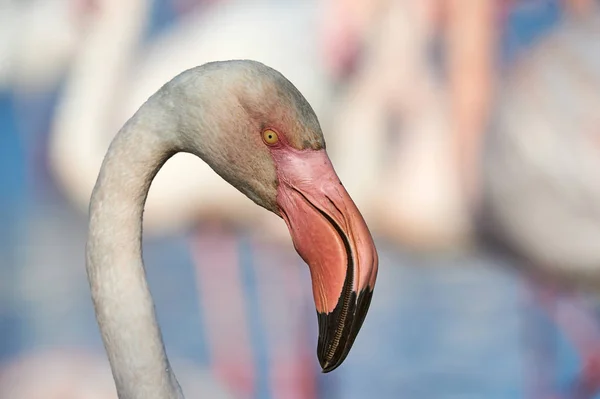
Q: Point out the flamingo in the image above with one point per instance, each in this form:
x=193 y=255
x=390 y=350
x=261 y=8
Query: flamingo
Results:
x=541 y=191
x=395 y=81
x=255 y=130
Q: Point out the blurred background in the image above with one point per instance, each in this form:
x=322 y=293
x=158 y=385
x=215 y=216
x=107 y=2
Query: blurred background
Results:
x=467 y=131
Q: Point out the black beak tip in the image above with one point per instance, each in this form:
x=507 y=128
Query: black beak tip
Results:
x=328 y=367
x=337 y=334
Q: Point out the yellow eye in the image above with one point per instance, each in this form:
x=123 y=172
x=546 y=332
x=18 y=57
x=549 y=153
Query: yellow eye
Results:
x=270 y=137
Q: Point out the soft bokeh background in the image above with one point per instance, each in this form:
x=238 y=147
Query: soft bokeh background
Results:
x=404 y=90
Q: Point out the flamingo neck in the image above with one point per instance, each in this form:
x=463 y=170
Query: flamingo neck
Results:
x=123 y=303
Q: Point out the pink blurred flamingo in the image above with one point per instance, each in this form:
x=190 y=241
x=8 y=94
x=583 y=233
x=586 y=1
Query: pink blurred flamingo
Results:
x=541 y=191
x=409 y=181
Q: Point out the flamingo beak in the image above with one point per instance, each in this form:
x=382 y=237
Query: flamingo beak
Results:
x=330 y=234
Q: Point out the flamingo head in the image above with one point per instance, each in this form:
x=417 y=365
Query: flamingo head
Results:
x=262 y=136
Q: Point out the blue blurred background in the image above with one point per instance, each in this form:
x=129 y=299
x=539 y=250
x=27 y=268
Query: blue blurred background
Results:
x=449 y=318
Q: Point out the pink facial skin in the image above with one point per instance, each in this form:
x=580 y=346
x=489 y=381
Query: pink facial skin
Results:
x=310 y=196
x=332 y=237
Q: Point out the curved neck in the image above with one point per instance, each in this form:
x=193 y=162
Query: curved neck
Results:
x=124 y=307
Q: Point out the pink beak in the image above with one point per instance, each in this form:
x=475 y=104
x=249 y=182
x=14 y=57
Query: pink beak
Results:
x=332 y=237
